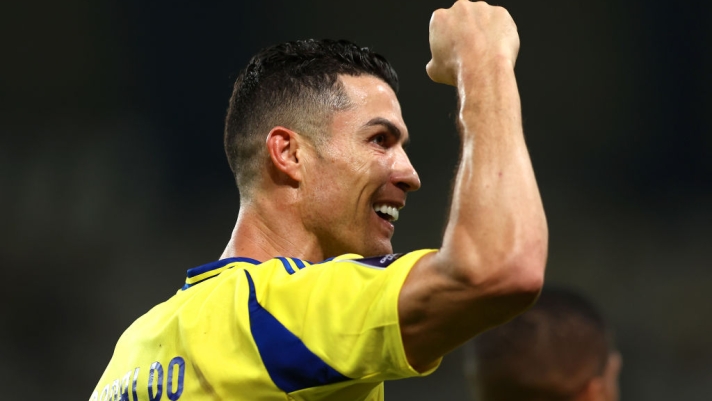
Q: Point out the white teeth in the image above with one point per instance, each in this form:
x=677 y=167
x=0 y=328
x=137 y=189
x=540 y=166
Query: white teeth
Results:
x=389 y=210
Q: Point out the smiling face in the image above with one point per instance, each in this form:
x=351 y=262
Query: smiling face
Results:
x=355 y=185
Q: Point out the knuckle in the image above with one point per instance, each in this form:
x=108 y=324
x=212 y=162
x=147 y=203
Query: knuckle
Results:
x=501 y=12
x=437 y=15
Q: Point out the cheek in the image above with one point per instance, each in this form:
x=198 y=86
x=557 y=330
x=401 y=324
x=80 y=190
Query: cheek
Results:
x=350 y=172
x=343 y=182
x=375 y=171
x=328 y=190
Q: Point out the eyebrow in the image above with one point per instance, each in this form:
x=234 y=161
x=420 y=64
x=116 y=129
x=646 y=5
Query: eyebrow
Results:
x=390 y=127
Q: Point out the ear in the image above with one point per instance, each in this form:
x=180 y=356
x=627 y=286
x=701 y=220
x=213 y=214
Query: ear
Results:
x=604 y=387
x=592 y=391
x=611 y=374
x=284 y=152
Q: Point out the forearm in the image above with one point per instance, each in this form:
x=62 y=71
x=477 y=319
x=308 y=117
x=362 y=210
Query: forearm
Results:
x=496 y=237
x=491 y=263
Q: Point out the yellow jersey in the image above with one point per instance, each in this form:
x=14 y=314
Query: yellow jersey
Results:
x=285 y=329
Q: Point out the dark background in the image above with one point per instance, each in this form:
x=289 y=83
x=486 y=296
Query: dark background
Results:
x=113 y=180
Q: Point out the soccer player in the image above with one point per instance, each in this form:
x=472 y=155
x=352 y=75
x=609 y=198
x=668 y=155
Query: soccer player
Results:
x=559 y=350
x=308 y=302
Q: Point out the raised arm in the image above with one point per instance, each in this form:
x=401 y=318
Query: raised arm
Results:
x=491 y=263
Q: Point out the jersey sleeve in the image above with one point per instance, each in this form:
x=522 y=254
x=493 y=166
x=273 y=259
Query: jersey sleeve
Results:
x=345 y=311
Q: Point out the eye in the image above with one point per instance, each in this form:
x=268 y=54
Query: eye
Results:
x=379 y=140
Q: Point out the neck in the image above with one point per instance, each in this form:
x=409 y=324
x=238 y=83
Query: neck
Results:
x=265 y=230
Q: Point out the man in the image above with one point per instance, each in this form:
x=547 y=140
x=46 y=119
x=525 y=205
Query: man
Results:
x=314 y=135
x=559 y=350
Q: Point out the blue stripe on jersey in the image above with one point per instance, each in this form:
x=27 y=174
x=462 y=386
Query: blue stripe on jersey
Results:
x=213 y=266
x=286 y=264
x=290 y=364
x=298 y=262
x=218 y=264
x=186 y=285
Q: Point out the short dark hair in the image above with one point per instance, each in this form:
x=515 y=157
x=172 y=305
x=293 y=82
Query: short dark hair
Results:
x=549 y=352
x=295 y=85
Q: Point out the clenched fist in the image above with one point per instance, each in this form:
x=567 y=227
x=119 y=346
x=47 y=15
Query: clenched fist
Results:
x=468 y=37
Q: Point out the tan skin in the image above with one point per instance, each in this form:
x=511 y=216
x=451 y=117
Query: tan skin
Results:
x=604 y=387
x=490 y=266
x=321 y=203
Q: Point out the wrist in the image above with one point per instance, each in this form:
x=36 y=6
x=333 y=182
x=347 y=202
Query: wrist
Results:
x=488 y=97
x=477 y=73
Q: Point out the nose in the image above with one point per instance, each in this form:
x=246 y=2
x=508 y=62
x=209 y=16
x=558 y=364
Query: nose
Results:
x=404 y=175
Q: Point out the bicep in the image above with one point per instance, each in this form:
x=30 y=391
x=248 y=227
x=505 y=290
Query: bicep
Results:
x=439 y=310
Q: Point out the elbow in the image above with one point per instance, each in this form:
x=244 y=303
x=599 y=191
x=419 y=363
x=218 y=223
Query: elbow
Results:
x=521 y=271
x=517 y=285
x=514 y=290
x=514 y=269
x=525 y=274
x=525 y=286
x=508 y=282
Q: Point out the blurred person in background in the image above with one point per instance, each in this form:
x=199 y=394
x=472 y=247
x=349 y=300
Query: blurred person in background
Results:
x=561 y=349
x=308 y=300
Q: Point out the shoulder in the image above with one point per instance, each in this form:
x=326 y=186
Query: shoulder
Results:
x=384 y=261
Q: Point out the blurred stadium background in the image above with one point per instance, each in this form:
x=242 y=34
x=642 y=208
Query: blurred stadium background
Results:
x=113 y=180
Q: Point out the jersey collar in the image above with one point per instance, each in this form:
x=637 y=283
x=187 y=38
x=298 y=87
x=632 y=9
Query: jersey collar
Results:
x=212 y=269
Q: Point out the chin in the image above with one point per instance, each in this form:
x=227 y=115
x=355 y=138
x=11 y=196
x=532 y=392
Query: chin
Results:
x=376 y=250
x=367 y=248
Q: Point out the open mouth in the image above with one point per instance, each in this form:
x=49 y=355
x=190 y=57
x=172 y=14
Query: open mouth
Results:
x=386 y=212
